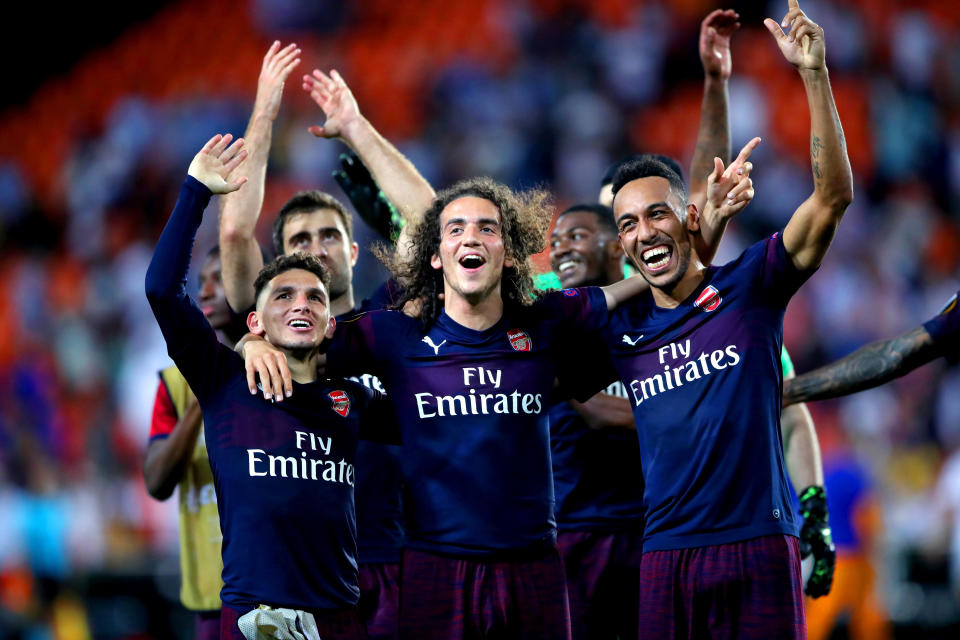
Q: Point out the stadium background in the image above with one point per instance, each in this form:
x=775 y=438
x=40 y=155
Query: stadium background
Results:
x=97 y=129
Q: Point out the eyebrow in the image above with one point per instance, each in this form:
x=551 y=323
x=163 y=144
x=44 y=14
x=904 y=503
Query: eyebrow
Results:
x=650 y=207
x=492 y=221
x=310 y=291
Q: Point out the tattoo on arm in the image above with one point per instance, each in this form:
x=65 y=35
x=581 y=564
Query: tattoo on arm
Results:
x=815 y=147
x=868 y=367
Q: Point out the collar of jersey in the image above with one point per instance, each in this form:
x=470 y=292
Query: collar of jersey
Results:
x=656 y=311
x=451 y=326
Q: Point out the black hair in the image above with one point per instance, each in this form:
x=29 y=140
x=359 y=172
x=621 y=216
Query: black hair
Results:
x=299 y=260
x=306 y=202
x=601 y=212
x=650 y=168
x=667 y=160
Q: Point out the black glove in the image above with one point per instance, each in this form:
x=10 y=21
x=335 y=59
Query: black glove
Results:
x=367 y=199
x=816 y=540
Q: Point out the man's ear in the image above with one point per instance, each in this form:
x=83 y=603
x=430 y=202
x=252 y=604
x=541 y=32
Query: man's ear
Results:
x=435 y=262
x=331 y=327
x=253 y=324
x=354 y=253
x=693 y=218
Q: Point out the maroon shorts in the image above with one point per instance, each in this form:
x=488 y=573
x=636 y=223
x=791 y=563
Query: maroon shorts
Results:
x=207 y=625
x=603 y=582
x=342 y=624
x=380 y=599
x=745 y=590
x=443 y=598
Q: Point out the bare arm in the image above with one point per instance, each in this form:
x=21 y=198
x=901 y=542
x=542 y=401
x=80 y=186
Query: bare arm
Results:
x=811 y=229
x=713 y=137
x=801 y=447
x=867 y=367
x=167 y=458
x=396 y=176
x=604 y=410
x=239 y=251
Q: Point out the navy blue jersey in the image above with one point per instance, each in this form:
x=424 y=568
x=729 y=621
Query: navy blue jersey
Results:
x=705 y=382
x=284 y=473
x=472 y=408
x=596 y=472
x=944 y=328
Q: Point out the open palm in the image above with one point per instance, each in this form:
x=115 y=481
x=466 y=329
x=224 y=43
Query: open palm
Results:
x=216 y=160
x=335 y=99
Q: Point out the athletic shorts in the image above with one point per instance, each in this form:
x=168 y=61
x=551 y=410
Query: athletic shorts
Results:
x=380 y=599
x=603 y=582
x=341 y=624
x=207 y=625
x=746 y=590
x=444 y=598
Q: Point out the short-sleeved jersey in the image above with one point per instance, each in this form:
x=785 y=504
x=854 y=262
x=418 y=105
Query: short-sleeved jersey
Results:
x=944 y=328
x=705 y=382
x=284 y=473
x=472 y=408
x=596 y=472
x=200 y=537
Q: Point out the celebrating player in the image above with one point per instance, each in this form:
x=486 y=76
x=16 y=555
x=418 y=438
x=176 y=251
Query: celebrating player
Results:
x=284 y=474
x=319 y=224
x=699 y=355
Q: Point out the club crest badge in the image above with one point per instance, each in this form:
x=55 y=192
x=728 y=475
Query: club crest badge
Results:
x=709 y=299
x=519 y=340
x=570 y=293
x=341 y=402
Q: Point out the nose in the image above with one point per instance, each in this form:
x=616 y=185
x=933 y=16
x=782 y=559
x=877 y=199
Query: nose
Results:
x=318 y=248
x=645 y=230
x=300 y=302
x=471 y=235
x=208 y=288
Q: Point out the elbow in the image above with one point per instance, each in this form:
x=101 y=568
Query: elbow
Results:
x=233 y=234
x=156 y=488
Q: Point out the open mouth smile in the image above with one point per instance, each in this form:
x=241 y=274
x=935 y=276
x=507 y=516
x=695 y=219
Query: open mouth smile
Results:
x=472 y=261
x=656 y=258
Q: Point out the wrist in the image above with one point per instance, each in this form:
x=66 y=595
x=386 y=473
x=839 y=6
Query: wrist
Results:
x=355 y=131
x=717 y=80
x=808 y=74
x=813 y=503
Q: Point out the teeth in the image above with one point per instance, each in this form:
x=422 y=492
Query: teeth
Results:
x=300 y=324
x=652 y=253
x=569 y=264
x=659 y=263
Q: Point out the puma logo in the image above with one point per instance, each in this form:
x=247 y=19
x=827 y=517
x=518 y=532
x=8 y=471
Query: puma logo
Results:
x=633 y=342
x=435 y=347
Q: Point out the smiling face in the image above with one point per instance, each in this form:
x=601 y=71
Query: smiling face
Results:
x=471 y=254
x=322 y=233
x=292 y=311
x=654 y=230
x=582 y=252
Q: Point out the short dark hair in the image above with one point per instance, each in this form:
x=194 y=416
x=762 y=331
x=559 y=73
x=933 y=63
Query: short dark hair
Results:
x=667 y=160
x=299 y=260
x=649 y=168
x=601 y=212
x=306 y=202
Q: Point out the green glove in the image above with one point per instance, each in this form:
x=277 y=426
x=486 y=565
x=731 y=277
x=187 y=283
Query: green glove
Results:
x=367 y=199
x=816 y=540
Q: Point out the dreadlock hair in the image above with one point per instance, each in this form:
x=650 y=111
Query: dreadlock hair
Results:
x=524 y=219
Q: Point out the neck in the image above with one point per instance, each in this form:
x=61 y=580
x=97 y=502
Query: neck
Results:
x=302 y=364
x=477 y=315
x=671 y=298
x=343 y=303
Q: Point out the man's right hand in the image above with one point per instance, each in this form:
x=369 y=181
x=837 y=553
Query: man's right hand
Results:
x=335 y=99
x=277 y=65
x=715 y=32
x=269 y=363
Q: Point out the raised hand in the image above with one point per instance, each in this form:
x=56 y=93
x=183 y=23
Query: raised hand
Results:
x=216 y=160
x=335 y=99
x=277 y=65
x=715 y=32
x=804 y=46
x=730 y=189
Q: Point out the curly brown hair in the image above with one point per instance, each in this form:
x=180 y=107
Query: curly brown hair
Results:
x=524 y=217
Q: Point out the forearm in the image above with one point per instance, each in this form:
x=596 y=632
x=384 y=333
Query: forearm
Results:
x=167 y=458
x=240 y=254
x=396 y=176
x=619 y=292
x=801 y=448
x=868 y=367
x=604 y=410
x=713 y=138
x=832 y=176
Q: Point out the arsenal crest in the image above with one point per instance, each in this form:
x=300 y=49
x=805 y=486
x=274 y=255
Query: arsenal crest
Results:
x=519 y=340
x=709 y=299
x=341 y=402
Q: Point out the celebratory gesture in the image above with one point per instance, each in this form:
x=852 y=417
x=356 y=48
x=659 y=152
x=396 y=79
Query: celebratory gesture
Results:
x=216 y=160
x=803 y=47
x=277 y=65
x=715 y=32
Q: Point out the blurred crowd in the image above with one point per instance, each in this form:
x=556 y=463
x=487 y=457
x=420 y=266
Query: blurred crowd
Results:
x=533 y=92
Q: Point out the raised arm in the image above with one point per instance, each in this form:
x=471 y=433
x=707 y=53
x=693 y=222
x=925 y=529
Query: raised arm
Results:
x=810 y=231
x=713 y=137
x=396 y=176
x=180 y=320
x=239 y=251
